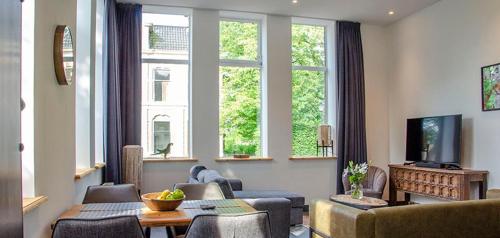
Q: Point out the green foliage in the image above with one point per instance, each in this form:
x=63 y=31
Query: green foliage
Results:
x=239 y=115
x=488 y=86
x=240 y=110
x=308 y=45
x=308 y=87
x=357 y=172
x=238 y=40
x=308 y=96
x=154 y=38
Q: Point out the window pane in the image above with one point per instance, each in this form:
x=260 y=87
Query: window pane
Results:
x=166 y=98
x=308 y=109
x=165 y=83
x=161 y=135
x=165 y=36
x=239 y=119
x=308 y=45
x=239 y=40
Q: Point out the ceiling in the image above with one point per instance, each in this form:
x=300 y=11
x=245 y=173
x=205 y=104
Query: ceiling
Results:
x=365 y=11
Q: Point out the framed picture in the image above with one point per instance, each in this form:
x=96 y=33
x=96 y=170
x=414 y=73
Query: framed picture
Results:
x=490 y=86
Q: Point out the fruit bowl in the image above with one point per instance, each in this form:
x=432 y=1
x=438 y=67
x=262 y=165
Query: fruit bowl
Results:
x=151 y=201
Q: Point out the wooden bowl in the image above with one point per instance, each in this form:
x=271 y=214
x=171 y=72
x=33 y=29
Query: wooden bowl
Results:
x=160 y=205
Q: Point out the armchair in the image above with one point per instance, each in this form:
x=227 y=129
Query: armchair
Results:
x=374 y=184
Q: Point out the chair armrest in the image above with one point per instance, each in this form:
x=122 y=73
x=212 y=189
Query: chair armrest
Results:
x=279 y=214
x=236 y=184
x=331 y=219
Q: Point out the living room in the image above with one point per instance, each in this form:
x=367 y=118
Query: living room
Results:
x=419 y=59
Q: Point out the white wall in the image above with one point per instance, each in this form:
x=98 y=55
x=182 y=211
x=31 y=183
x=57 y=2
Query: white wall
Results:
x=376 y=54
x=314 y=179
x=437 y=55
x=54 y=124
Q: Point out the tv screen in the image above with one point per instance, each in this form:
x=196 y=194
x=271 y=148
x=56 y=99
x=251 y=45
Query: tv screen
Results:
x=434 y=139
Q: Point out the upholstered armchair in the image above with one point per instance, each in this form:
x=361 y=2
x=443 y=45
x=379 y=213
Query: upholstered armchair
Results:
x=374 y=183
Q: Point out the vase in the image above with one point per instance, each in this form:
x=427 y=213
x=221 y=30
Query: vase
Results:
x=357 y=190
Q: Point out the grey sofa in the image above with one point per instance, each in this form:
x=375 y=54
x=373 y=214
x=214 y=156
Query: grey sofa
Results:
x=233 y=188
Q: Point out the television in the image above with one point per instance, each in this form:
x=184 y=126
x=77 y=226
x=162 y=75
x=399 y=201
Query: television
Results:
x=434 y=141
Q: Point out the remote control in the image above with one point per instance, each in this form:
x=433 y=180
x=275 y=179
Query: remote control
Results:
x=207 y=207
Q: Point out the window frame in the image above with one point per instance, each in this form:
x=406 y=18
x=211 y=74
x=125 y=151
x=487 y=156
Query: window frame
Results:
x=328 y=69
x=188 y=12
x=258 y=19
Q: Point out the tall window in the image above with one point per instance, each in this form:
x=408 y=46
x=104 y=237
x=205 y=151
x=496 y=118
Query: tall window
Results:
x=240 y=87
x=165 y=83
x=308 y=86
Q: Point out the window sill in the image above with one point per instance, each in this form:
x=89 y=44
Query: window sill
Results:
x=81 y=173
x=31 y=203
x=169 y=160
x=231 y=159
x=312 y=158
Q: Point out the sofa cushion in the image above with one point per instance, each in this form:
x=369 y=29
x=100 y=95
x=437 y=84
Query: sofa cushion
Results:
x=463 y=219
x=195 y=170
x=212 y=176
x=296 y=200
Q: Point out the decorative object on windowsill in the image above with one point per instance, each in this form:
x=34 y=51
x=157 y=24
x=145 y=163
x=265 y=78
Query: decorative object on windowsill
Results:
x=165 y=152
x=357 y=174
x=325 y=141
x=490 y=87
x=241 y=156
x=64 y=55
x=132 y=164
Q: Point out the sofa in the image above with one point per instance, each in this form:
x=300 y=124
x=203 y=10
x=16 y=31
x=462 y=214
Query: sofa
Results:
x=233 y=188
x=464 y=219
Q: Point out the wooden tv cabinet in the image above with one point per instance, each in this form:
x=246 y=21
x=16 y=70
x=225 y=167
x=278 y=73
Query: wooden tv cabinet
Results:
x=437 y=183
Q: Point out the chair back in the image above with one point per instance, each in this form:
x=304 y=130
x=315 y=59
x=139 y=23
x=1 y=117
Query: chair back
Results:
x=201 y=191
x=375 y=180
x=113 y=227
x=250 y=225
x=111 y=194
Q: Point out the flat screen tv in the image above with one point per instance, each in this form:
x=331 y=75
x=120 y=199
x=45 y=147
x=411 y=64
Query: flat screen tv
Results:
x=434 y=140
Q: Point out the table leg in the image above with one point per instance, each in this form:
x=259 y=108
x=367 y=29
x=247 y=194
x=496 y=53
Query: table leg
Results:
x=407 y=198
x=393 y=195
x=483 y=186
x=170 y=232
x=147 y=232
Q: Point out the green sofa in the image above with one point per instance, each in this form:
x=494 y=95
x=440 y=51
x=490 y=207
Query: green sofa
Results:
x=464 y=219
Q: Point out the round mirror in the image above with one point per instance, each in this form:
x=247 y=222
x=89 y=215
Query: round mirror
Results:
x=64 y=55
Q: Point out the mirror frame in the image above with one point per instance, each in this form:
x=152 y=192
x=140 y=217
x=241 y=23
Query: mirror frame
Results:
x=59 y=55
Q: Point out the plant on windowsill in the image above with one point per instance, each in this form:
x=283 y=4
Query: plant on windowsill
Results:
x=357 y=174
x=241 y=156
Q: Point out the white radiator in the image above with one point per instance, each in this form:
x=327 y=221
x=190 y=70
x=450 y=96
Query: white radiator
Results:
x=132 y=165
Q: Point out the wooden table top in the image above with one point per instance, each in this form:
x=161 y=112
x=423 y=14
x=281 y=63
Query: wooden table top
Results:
x=365 y=203
x=149 y=218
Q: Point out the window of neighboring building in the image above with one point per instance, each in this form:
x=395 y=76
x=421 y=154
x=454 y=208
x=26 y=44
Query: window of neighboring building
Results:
x=240 y=87
x=161 y=78
x=309 y=73
x=161 y=133
x=165 y=81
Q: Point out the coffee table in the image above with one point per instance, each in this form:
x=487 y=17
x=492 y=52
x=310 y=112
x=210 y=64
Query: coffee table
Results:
x=365 y=203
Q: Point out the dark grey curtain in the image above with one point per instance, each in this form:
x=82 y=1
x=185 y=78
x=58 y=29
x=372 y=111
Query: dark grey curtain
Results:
x=123 y=83
x=351 y=128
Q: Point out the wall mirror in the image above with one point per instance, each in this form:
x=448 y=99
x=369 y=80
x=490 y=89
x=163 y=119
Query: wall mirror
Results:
x=64 y=55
